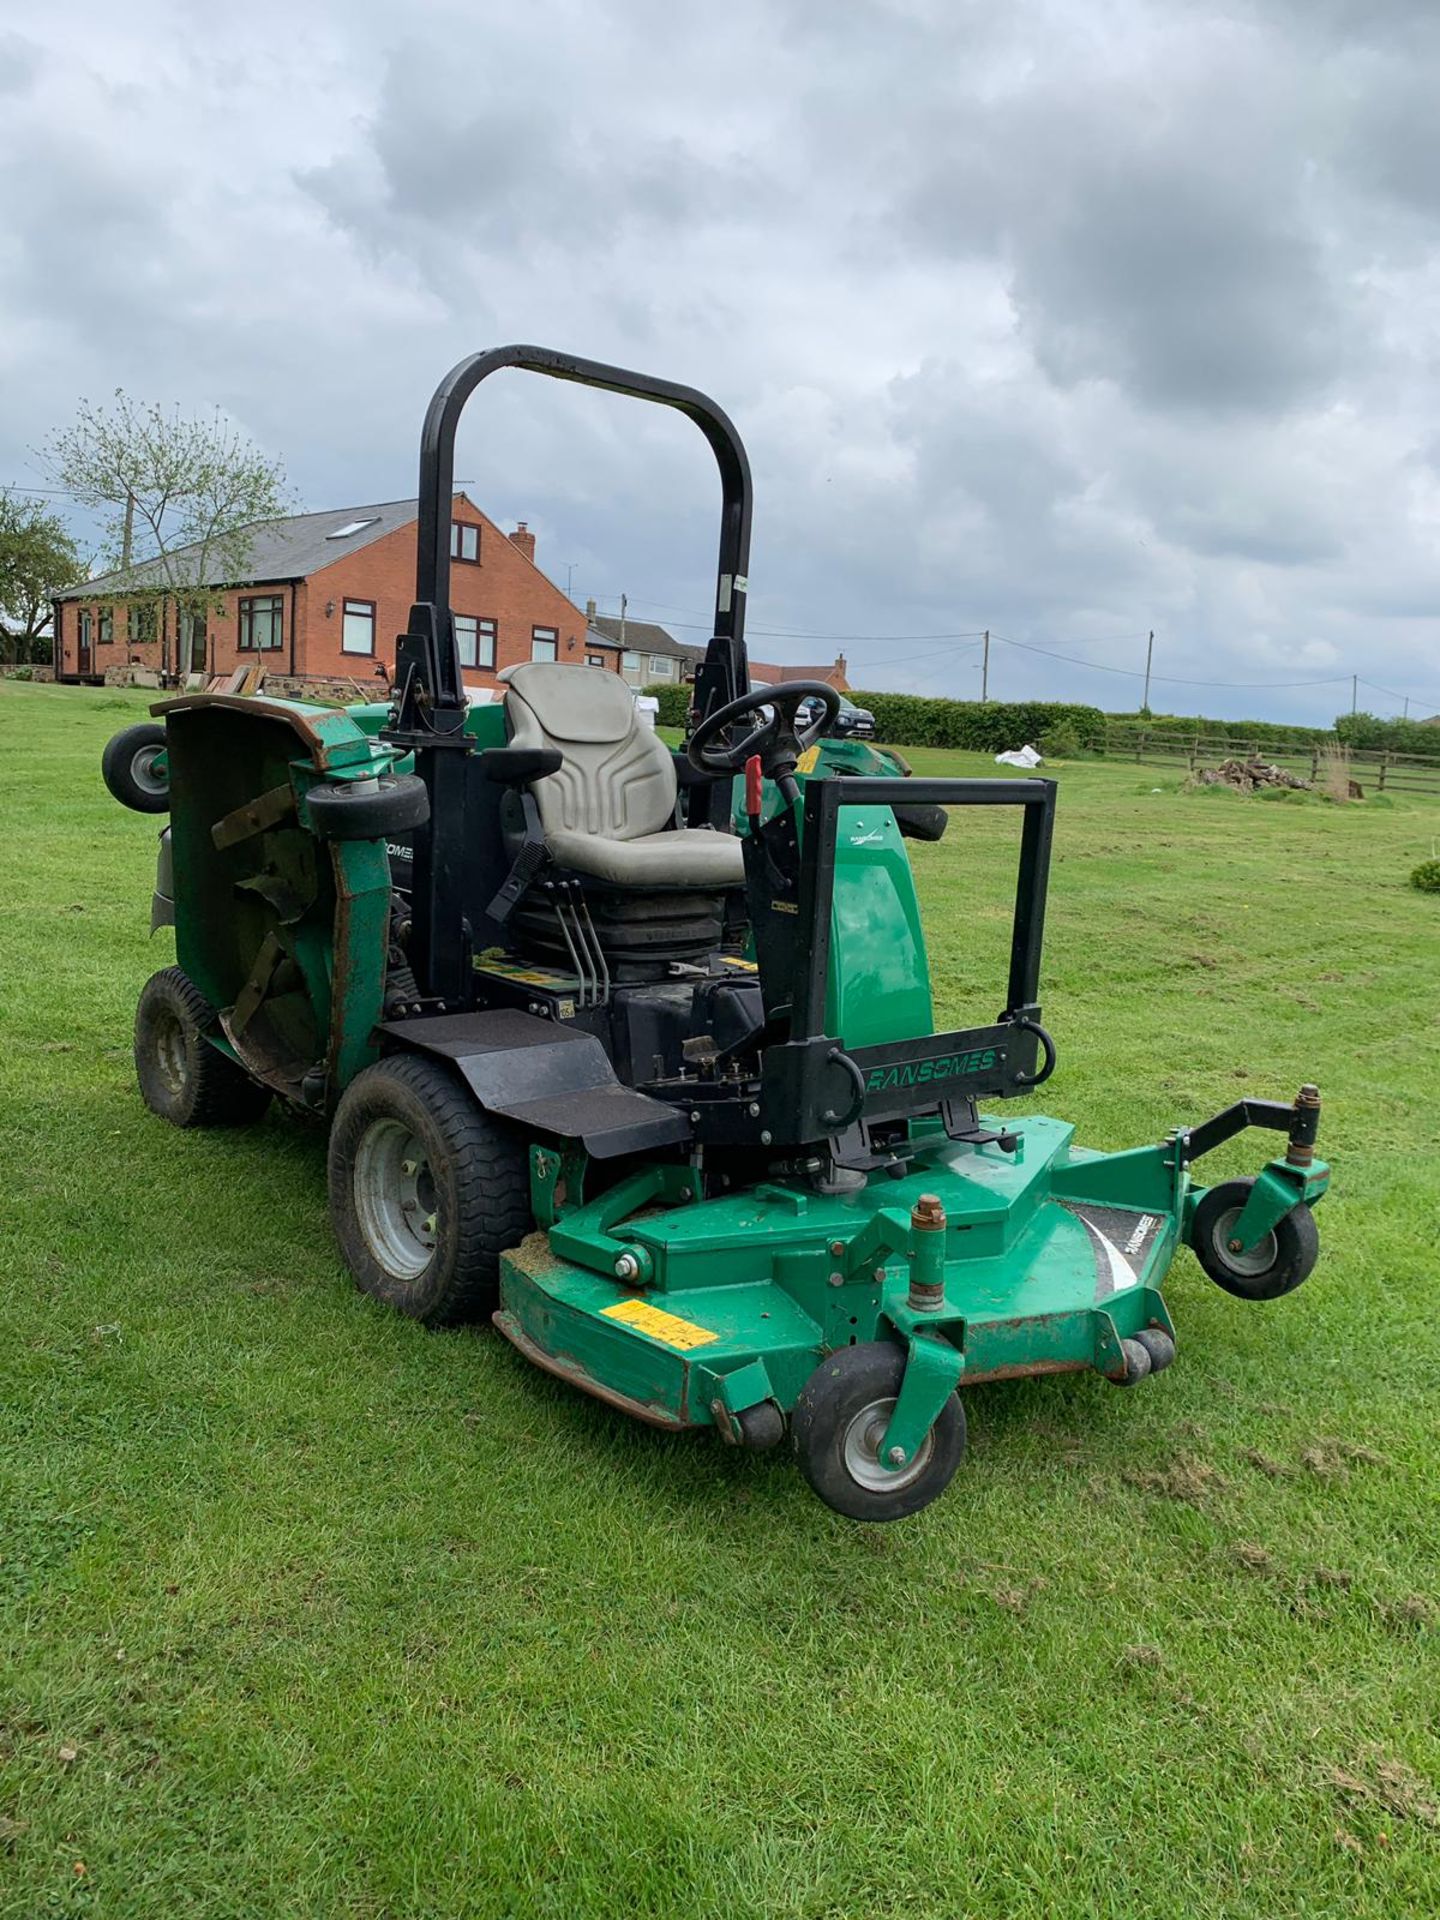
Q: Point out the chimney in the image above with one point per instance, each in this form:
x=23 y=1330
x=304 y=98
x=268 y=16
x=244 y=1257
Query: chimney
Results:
x=840 y=670
x=589 y=609
x=524 y=540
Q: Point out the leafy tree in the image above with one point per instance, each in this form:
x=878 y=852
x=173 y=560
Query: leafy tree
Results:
x=38 y=559
x=180 y=499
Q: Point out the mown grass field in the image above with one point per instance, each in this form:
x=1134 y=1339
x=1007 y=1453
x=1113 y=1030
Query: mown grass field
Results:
x=306 y=1612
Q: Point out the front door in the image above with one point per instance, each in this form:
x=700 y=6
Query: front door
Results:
x=193 y=623
x=82 y=642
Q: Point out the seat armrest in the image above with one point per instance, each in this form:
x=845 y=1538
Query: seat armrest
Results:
x=518 y=766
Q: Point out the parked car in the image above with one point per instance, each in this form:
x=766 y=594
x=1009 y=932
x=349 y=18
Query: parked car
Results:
x=850 y=723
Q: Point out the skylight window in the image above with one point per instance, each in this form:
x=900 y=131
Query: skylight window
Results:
x=352 y=526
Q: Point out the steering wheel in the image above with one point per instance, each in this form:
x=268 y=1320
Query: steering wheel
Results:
x=778 y=741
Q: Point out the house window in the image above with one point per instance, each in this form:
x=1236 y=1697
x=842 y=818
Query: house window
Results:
x=476 y=639
x=595 y=660
x=140 y=624
x=262 y=623
x=544 y=643
x=107 y=626
x=357 y=627
x=662 y=667
x=464 y=542
x=630 y=663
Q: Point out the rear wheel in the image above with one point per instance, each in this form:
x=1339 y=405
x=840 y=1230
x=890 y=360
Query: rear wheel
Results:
x=1275 y=1265
x=128 y=769
x=184 y=1077
x=426 y=1191
x=840 y=1420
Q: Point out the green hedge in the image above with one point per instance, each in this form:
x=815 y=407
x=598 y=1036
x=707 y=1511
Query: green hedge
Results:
x=1369 y=734
x=916 y=720
x=1235 y=733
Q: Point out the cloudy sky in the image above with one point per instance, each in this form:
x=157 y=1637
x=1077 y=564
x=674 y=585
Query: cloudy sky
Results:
x=1069 y=318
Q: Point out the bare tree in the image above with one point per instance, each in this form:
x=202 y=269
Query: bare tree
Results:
x=181 y=499
x=38 y=559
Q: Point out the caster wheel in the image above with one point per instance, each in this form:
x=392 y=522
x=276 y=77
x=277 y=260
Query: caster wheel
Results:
x=840 y=1420
x=1159 y=1345
x=1276 y=1264
x=1138 y=1364
x=761 y=1427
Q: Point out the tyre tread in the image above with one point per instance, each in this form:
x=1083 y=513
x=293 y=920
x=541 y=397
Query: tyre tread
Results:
x=222 y=1094
x=491 y=1179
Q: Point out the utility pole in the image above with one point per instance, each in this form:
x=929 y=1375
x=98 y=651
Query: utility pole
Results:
x=1149 y=650
x=1354 y=684
x=624 y=603
x=1406 y=714
x=985 y=670
x=127 y=539
x=569 y=576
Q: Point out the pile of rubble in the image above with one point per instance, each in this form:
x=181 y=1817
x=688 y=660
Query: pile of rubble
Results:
x=1246 y=775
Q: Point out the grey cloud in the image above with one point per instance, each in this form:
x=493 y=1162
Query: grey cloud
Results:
x=1067 y=320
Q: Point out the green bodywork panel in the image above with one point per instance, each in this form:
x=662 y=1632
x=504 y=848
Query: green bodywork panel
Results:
x=879 y=978
x=1034 y=1280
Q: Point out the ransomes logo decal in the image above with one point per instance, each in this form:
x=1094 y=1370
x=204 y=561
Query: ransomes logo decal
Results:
x=919 y=1073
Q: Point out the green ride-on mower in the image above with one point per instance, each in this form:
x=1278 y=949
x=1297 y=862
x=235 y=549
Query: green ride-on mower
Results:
x=662 y=1099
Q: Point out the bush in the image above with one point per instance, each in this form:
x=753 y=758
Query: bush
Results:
x=674 y=705
x=917 y=720
x=1427 y=876
x=1061 y=742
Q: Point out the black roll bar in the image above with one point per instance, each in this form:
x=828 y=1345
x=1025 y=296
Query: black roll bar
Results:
x=437 y=486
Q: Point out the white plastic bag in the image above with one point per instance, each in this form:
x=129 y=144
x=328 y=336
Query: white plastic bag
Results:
x=1021 y=757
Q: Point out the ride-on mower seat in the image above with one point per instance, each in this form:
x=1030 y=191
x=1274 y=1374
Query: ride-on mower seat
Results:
x=608 y=812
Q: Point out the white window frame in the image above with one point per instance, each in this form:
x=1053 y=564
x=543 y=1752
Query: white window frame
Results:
x=362 y=611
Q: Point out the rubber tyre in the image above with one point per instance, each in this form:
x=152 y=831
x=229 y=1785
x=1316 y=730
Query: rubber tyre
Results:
x=475 y=1179
x=398 y=802
x=1289 y=1252
x=1159 y=1345
x=921 y=823
x=183 y=1077
x=831 y=1410
x=125 y=769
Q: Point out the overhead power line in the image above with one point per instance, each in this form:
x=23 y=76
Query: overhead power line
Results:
x=1170 y=680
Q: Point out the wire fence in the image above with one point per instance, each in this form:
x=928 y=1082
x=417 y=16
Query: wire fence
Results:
x=1383 y=771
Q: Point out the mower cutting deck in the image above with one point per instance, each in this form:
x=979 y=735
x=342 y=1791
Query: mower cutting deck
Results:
x=636 y=1056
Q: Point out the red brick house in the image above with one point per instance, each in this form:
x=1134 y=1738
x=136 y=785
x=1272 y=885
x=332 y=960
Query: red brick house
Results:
x=325 y=596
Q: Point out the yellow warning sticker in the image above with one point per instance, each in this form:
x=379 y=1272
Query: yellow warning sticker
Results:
x=666 y=1327
x=809 y=760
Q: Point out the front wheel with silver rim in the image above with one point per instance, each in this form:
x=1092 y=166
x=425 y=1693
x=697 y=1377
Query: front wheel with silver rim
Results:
x=839 y=1424
x=426 y=1191
x=1275 y=1265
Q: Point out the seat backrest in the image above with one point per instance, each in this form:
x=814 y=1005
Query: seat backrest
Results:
x=618 y=778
